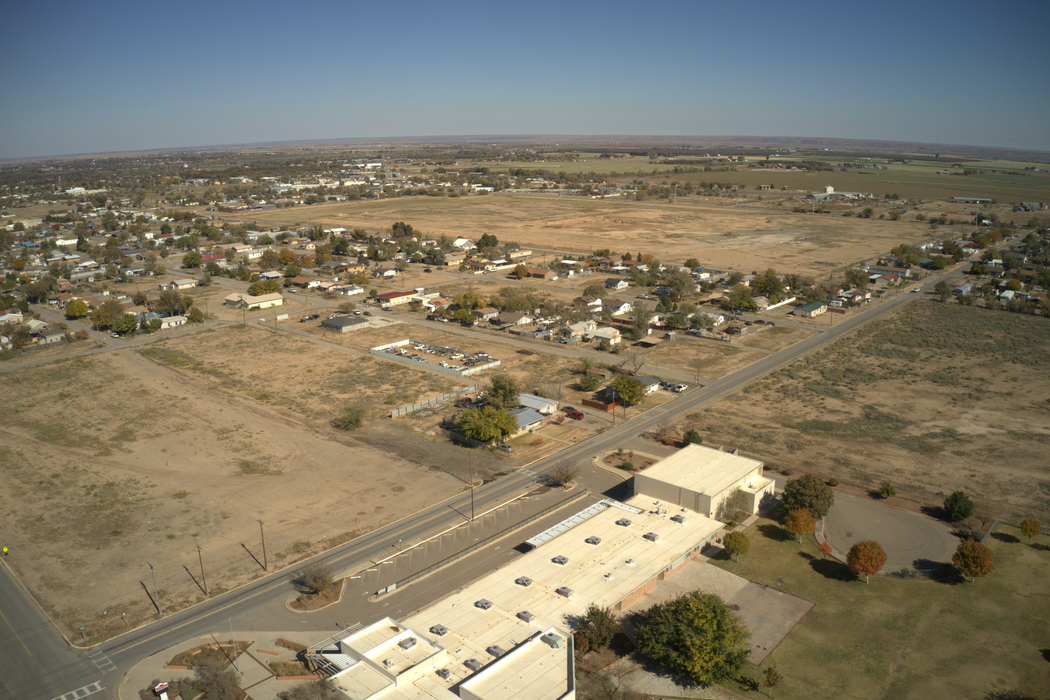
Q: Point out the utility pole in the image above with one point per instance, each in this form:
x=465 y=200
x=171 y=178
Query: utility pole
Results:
x=200 y=558
x=263 y=535
x=156 y=595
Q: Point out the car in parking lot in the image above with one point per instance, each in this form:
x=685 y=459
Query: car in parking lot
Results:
x=368 y=313
x=575 y=415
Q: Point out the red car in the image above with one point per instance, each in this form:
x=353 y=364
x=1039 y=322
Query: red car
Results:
x=575 y=415
x=465 y=401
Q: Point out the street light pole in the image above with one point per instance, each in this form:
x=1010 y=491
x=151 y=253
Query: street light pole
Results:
x=263 y=535
x=156 y=595
x=204 y=578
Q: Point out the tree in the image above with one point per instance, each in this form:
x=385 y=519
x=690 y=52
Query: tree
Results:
x=628 y=389
x=589 y=381
x=958 y=506
x=856 y=277
x=310 y=690
x=692 y=262
x=285 y=256
x=593 y=290
x=195 y=315
x=205 y=278
x=973 y=559
x=169 y=301
x=565 y=473
x=691 y=437
x=887 y=490
x=192 y=259
x=943 y=290
x=825 y=549
x=350 y=418
x=800 y=522
x=736 y=543
x=107 y=313
x=486 y=424
x=487 y=240
x=1030 y=527
x=865 y=557
x=257 y=289
x=739 y=298
x=696 y=636
x=219 y=682
x=773 y=678
x=503 y=391
x=77 y=309
x=316 y=578
x=348 y=307
x=810 y=493
x=521 y=271
x=127 y=323
x=599 y=625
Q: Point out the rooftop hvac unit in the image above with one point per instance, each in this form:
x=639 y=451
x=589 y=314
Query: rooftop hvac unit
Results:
x=678 y=518
x=560 y=560
x=553 y=641
x=483 y=604
x=388 y=663
x=623 y=522
x=407 y=643
x=439 y=630
x=526 y=616
x=593 y=540
x=443 y=673
x=564 y=592
x=651 y=536
x=523 y=581
x=473 y=664
x=496 y=650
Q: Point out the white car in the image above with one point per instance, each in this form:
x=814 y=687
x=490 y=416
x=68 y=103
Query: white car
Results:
x=679 y=388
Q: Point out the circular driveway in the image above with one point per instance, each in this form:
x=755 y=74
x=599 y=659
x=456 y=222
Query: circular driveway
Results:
x=910 y=540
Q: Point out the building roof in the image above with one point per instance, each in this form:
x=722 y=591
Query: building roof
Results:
x=535 y=402
x=812 y=306
x=526 y=417
x=702 y=469
x=343 y=321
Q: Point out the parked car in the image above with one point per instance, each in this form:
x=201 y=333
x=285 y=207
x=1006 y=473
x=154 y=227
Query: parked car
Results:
x=506 y=448
x=567 y=409
x=463 y=402
x=427 y=269
x=368 y=313
x=575 y=415
x=679 y=388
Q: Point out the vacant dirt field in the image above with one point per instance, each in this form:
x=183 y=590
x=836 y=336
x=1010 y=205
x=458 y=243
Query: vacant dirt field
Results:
x=775 y=338
x=937 y=398
x=720 y=237
x=115 y=459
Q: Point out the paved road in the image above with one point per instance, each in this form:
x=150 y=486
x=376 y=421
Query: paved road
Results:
x=910 y=540
x=47 y=663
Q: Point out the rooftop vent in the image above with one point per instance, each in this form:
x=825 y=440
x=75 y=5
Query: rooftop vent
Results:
x=473 y=664
x=483 y=604
x=629 y=562
x=388 y=663
x=523 y=581
x=439 y=630
x=564 y=592
x=553 y=641
x=526 y=616
x=651 y=536
x=678 y=518
x=623 y=522
x=443 y=673
x=593 y=540
x=496 y=650
x=560 y=560
x=407 y=643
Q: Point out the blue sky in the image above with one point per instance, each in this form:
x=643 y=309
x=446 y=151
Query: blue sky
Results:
x=115 y=76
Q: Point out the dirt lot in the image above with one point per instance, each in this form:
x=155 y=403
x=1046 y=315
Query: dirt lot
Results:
x=682 y=354
x=935 y=399
x=720 y=237
x=149 y=458
x=775 y=338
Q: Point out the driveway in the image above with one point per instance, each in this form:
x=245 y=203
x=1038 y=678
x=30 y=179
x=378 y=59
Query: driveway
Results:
x=910 y=540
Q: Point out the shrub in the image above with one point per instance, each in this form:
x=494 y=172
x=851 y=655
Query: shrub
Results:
x=833 y=482
x=626 y=466
x=958 y=506
x=692 y=437
x=351 y=417
x=887 y=490
x=316 y=578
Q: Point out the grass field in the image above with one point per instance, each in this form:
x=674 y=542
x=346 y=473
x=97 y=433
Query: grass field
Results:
x=935 y=398
x=905 y=638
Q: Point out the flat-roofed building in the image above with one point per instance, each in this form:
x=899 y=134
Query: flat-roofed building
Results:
x=701 y=479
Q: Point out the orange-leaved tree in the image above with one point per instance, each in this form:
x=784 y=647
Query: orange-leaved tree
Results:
x=866 y=557
x=800 y=522
x=973 y=559
x=1030 y=527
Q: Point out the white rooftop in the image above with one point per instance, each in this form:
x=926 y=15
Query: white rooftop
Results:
x=702 y=469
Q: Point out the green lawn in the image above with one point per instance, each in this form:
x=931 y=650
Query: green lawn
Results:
x=897 y=638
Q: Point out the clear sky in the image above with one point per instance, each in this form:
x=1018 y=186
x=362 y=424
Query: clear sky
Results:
x=116 y=76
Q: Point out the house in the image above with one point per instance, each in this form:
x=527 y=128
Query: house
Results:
x=514 y=318
x=964 y=288
x=813 y=308
x=464 y=244
x=616 y=307
x=47 y=337
x=540 y=273
x=344 y=324
x=486 y=313
x=528 y=419
x=701 y=479
x=649 y=384
x=271 y=275
x=385 y=273
x=395 y=298
x=480 y=265
x=576 y=330
x=186 y=283
x=762 y=303
x=538 y=403
x=14 y=317
x=588 y=303
x=616 y=283
x=612 y=335
x=172 y=322
x=250 y=303
x=306 y=282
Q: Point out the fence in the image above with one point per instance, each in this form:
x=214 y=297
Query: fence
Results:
x=483 y=543
x=405 y=410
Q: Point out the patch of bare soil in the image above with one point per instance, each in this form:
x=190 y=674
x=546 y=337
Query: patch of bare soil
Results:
x=935 y=399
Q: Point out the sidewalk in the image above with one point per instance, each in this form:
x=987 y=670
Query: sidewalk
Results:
x=255 y=676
